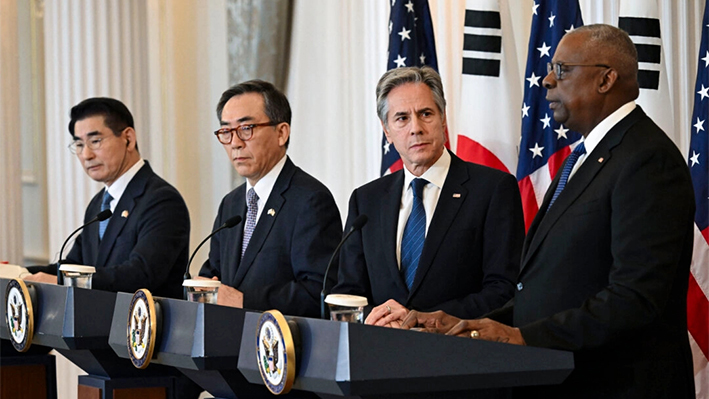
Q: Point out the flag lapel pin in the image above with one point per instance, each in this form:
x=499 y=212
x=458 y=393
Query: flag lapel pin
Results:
x=600 y=160
x=456 y=195
x=124 y=214
x=272 y=212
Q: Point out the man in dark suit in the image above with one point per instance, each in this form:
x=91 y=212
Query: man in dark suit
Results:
x=606 y=260
x=454 y=245
x=291 y=225
x=145 y=242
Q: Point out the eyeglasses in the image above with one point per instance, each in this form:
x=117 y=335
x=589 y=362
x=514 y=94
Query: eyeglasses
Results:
x=559 y=71
x=243 y=132
x=94 y=143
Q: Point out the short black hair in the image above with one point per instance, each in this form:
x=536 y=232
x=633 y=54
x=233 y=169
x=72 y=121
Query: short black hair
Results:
x=275 y=104
x=116 y=115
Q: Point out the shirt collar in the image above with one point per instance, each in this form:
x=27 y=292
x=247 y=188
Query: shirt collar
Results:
x=600 y=131
x=435 y=175
x=119 y=186
x=265 y=184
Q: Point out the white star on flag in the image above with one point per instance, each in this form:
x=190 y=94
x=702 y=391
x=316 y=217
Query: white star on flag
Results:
x=400 y=61
x=546 y=120
x=423 y=59
x=386 y=147
x=525 y=110
x=694 y=158
x=391 y=25
x=404 y=34
x=393 y=2
x=544 y=50
x=410 y=6
x=570 y=28
x=706 y=60
x=533 y=80
x=534 y=8
x=561 y=132
x=551 y=18
x=703 y=92
x=699 y=125
x=537 y=150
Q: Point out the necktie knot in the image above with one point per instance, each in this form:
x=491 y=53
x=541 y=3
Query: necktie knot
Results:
x=417 y=186
x=580 y=149
x=252 y=197
x=566 y=172
x=251 y=213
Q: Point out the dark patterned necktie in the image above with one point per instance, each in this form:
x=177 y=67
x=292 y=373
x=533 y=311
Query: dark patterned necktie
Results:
x=251 y=212
x=570 y=162
x=414 y=234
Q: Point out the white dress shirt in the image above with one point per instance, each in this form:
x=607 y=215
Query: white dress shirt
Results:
x=436 y=176
x=119 y=186
x=264 y=187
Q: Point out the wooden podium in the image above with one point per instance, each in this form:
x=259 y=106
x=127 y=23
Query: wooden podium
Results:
x=76 y=322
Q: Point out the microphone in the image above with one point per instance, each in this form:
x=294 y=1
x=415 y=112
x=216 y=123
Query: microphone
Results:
x=231 y=222
x=103 y=215
x=358 y=223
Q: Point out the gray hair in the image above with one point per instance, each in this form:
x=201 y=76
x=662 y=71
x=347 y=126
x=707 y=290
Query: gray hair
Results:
x=607 y=38
x=399 y=76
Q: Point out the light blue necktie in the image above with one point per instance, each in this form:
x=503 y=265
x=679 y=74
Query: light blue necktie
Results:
x=106 y=204
x=414 y=234
x=251 y=212
x=570 y=162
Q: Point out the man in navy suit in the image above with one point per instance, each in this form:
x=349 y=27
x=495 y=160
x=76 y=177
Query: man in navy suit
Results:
x=291 y=225
x=605 y=264
x=145 y=242
x=455 y=245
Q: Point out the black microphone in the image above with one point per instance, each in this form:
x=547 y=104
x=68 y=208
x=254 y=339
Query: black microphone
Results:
x=231 y=222
x=358 y=223
x=103 y=215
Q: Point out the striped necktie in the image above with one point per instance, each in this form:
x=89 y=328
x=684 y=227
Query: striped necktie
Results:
x=570 y=162
x=414 y=234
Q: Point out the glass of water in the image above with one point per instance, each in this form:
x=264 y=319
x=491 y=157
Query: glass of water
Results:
x=202 y=291
x=79 y=276
x=349 y=308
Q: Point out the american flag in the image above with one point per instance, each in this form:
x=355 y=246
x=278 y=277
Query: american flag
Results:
x=545 y=144
x=411 y=43
x=698 y=161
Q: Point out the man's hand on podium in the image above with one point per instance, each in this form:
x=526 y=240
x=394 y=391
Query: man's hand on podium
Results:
x=40 y=277
x=227 y=296
x=389 y=314
x=443 y=323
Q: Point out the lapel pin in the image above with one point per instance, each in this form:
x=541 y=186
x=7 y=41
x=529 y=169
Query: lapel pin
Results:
x=124 y=214
x=456 y=195
x=600 y=160
x=272 y=212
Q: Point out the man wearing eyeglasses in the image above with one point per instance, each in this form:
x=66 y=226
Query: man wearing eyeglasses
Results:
x=605 y=264
x=291 y=225
x=144 y=244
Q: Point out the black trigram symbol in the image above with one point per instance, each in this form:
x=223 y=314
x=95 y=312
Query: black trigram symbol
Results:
x=483 y=43
x=648 y=53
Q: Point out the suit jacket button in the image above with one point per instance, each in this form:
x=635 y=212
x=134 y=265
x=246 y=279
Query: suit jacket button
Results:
x=520 y=286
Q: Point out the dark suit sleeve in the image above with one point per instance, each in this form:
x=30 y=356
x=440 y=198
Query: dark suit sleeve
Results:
x=651 y=226
x=353 y=278
x=503 y=234
x=316 y=233
x=162 y=230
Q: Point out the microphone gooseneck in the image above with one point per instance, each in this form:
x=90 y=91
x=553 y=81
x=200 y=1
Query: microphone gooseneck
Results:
x=103 y=215
x=231 y=222
x=357 y=224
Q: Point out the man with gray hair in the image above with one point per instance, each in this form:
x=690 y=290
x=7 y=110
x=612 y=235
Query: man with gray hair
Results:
x=443 y=234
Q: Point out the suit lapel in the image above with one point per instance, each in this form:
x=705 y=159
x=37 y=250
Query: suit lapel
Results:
x=389 y=220
x=266 y=220
x=443 y=218
x=123 y=209
x=595 y=161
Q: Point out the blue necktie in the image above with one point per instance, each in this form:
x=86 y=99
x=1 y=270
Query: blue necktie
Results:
x=414 y=234
x=106 y=204
x=251 y=212
x=570 y=162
